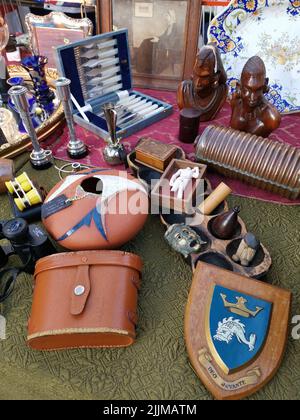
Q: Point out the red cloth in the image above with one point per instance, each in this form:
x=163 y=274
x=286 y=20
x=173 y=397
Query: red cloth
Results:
x=167 y=132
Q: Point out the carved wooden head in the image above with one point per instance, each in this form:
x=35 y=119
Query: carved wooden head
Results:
x=254 y=83
x=208 y=71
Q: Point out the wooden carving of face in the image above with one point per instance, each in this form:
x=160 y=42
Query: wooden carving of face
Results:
x=254 y=83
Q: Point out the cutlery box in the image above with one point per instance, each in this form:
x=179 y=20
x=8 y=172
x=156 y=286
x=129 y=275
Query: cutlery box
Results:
x=100 y=73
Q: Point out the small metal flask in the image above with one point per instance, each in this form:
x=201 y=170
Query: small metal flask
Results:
x=40 y=158
x=76 y=148
x=114 y=153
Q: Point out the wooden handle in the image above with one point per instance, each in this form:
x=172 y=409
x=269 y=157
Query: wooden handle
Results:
x=215 y=199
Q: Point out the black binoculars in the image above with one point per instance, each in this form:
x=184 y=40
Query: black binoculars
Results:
x=28 y=242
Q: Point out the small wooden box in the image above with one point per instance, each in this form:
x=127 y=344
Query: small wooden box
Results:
x=166 y=198
x=155 y=154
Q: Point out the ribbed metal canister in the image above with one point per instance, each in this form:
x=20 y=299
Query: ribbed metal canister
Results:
x=262 y=162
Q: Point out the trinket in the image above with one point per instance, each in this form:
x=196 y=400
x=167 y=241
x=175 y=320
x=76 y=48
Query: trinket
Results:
x=184 y=239
x=114 y=153
x=148 y=176
x=181 y=179
x=251 y=112
x=74 y=168
x=247 y=250
x=189 y=125
x=179 y=187
x=207 y=91
x=226 y=225
x=25 y=197
x=154 y=154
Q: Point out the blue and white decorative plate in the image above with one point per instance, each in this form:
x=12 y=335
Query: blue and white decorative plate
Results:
x=271 y=30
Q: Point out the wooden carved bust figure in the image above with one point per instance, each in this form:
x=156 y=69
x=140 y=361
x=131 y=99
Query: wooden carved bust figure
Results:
x=251 y=112
x=207 y=90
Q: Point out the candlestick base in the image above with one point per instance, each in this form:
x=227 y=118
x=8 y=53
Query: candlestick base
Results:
x=114 y=154
x=77 y=149
x=41 y=160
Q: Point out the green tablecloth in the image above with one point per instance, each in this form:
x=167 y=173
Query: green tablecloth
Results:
x=157 y=366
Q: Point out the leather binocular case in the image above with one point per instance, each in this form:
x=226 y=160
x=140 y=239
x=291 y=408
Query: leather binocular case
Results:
x=6 y=173
x=85 y=300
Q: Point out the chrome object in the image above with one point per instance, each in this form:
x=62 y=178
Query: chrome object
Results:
x=40 y=158
x=76 y=148
x=114 y=150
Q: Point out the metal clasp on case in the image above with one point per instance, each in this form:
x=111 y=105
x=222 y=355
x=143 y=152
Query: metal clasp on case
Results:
x=79 y=290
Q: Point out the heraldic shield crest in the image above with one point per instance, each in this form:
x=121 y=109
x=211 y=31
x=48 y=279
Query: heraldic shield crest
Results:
x=235 y=331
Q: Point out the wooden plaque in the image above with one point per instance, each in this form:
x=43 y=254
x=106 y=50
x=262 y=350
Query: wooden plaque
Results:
x=236 y=331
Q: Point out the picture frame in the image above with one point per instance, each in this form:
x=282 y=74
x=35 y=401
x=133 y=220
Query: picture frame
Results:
x=163 y=38
x=53 y=30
